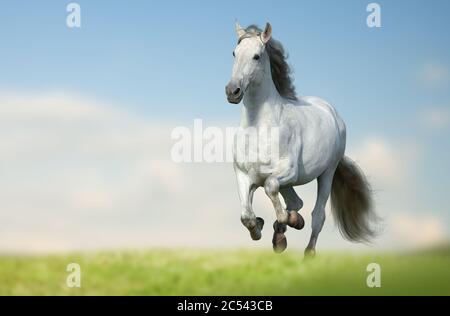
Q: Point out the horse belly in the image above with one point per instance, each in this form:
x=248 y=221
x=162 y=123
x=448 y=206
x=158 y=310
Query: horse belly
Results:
x=316 y=159
x=308 y=174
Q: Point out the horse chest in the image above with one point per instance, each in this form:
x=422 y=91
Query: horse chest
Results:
x=258 y=168
x=257 y=151
x=257 y=172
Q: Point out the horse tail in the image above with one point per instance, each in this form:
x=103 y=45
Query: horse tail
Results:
x=351 y=202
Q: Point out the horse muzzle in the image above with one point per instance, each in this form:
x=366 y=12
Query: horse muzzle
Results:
x=234 y=93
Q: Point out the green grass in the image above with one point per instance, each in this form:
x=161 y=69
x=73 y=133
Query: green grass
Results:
x=239 y=272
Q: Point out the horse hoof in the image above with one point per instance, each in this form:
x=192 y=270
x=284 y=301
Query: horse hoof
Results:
x=295 y=220
x=309 y=253
x=259 y=223
x=256 y=232
x=279 y=242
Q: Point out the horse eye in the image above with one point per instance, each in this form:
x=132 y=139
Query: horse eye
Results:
x=234 y=54
x=256 y=57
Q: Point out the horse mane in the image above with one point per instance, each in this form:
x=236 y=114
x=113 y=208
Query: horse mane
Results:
x=281 y=72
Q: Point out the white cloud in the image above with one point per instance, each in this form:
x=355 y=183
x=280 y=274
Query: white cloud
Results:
x=435 y=118
x=387 y=163
x=417 y=231
x=433 y=75
x=392 y=167
x=87 y=175
x=56 y=106
x=78 y=174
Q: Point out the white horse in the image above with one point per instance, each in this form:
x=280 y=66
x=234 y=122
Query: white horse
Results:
x=311 y=145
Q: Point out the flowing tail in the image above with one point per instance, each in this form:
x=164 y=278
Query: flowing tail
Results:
x=351 y=202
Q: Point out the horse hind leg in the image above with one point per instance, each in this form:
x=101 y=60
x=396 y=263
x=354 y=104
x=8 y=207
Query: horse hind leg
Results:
x=292 y=200
x=293 y=204
x=324 y=183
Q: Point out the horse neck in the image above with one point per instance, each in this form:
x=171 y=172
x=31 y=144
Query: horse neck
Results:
x=262 y=104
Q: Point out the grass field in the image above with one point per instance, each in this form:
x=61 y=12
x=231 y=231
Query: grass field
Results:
x=239 y=272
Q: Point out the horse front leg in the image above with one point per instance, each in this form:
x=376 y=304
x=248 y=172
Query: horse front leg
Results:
x=290 y=216
x=272 y=187
x=248 y=218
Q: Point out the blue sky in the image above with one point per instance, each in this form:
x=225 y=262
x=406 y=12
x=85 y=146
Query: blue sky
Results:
x=168 y=61
x=173 y=58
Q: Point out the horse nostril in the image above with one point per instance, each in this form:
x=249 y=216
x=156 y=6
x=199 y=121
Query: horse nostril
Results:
x=236 y=92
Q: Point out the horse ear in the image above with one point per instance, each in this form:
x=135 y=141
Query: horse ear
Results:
x=239 y=30
x=267 y=34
